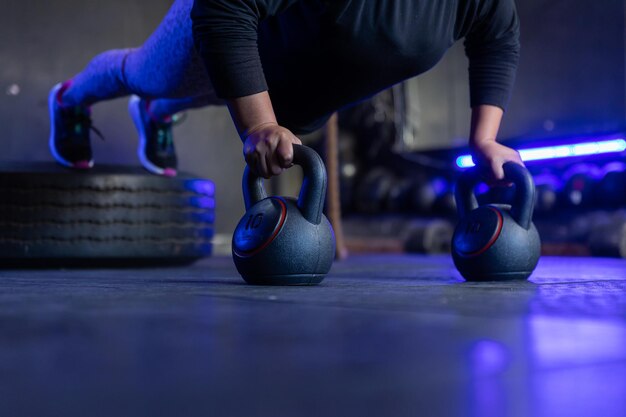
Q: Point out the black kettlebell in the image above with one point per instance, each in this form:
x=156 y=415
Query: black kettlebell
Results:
x=496 y=242
x=281 y=240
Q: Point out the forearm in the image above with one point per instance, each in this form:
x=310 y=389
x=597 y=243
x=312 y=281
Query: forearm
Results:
x=486 y=121
x=487 y=153
x=225 y=34
x=267 y=147
x=251 y=112
x=493 y=48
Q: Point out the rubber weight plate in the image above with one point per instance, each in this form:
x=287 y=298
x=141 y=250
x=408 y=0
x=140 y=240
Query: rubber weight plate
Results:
x=108 y=215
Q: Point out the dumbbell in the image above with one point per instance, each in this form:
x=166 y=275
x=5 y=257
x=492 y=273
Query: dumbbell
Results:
x=612 y=187
x=610 y=238
x=580 y=188
x=349 y=173
x=422 y=195
x=429 y=236
x=582 y=225
x=445 y=203
x=399 y=196
x=372 y=190
x=432 y=195
x=547 y=188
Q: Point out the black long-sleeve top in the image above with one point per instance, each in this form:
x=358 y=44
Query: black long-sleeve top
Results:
x=317 y=56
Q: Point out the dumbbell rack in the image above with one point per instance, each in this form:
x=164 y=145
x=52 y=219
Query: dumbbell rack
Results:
x=583 y=213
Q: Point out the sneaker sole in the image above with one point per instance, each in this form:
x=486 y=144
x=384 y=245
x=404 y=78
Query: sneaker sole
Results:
x=134 y=108
x=51 y=107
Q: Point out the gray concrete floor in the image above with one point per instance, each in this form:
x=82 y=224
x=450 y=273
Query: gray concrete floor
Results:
x=381 y=336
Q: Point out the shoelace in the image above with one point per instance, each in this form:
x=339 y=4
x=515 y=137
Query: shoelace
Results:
x=165 y=138
x=81 y=122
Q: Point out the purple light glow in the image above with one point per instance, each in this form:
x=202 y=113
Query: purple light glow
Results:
x=203 y=202
x=489 y=357
x=204 y=187
x=588 y=170
x=439 y=185
x=482 y=188
x=561 y=151
x=562 y=341
x=489 y=362
x=613 y=167
x=548 y=179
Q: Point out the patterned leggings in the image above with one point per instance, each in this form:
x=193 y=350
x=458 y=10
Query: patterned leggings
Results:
x=165 y=69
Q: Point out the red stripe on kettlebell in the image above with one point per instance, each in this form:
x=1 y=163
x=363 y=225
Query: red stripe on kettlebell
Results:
x=493 y=239
x=281 y=222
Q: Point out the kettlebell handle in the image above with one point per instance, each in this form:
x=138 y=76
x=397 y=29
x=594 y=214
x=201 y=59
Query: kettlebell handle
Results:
x=313 y=190
x=523 y=202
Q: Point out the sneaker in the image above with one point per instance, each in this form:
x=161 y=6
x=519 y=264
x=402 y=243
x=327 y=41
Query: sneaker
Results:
x=69 y=132
x=156 y=144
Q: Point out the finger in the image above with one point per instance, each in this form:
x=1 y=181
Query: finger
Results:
x=260 y=165
x=248 y=153
x=284 y=152
x=497 y=170
x=271 y=159
x=251 y=155
x=273 y=166
x=277 y=165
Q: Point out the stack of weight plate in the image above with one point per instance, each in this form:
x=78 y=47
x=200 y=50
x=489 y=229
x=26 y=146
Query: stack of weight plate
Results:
x=110 y=215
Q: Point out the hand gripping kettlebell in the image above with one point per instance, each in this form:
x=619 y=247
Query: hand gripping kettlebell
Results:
x=281 y=240
x=496 y=242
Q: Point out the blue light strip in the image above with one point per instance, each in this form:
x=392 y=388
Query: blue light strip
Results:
x=561 y=151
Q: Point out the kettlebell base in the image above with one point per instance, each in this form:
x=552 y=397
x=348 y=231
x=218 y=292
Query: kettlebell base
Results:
x=503 y=276
x=292 y=279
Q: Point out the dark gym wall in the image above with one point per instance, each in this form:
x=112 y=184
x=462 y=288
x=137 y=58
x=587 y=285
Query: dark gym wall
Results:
x=43 y=42
x=571 y=79
x=572 y=74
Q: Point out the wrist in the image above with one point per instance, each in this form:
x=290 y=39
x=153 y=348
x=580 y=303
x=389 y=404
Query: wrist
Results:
x=485 y=125
x=251 y=112
x=475 y=142
x=244 y=134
